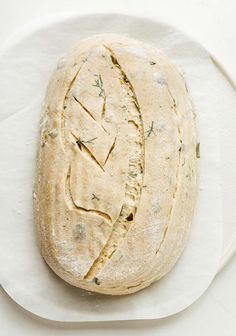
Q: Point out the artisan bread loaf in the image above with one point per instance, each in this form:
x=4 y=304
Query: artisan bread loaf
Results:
x=117 y=166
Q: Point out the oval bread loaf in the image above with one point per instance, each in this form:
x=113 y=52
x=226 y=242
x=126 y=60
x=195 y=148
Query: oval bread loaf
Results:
x=117 y=166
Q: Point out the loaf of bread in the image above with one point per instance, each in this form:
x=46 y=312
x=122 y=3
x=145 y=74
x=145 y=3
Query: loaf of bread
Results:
x=116 y=179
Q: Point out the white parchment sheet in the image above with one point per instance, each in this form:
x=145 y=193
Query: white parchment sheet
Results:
x=25 y=67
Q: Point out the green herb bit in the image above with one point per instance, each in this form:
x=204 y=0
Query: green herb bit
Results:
x=99 y=84
x=81 y=142
x=95 y=197
x=89 y=141
x=198 y=150
x=97 y=282
x=150 y=130
x=152 y=63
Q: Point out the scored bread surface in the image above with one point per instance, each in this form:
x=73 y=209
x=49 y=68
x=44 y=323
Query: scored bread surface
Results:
x=116 y=176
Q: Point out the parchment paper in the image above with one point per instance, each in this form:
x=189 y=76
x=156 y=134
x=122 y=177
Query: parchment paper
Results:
x=25 y=70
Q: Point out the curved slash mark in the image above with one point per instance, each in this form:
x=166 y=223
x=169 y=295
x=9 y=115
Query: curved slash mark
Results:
x=84 y=108
x=73 y=205
x=98 y=212
x=103 y=108
x=103 y=113
x=110 y=151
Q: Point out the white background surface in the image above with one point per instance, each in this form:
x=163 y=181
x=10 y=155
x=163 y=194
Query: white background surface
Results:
x=212 y=23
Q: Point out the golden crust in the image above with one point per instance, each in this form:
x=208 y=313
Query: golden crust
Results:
x=117 y=168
